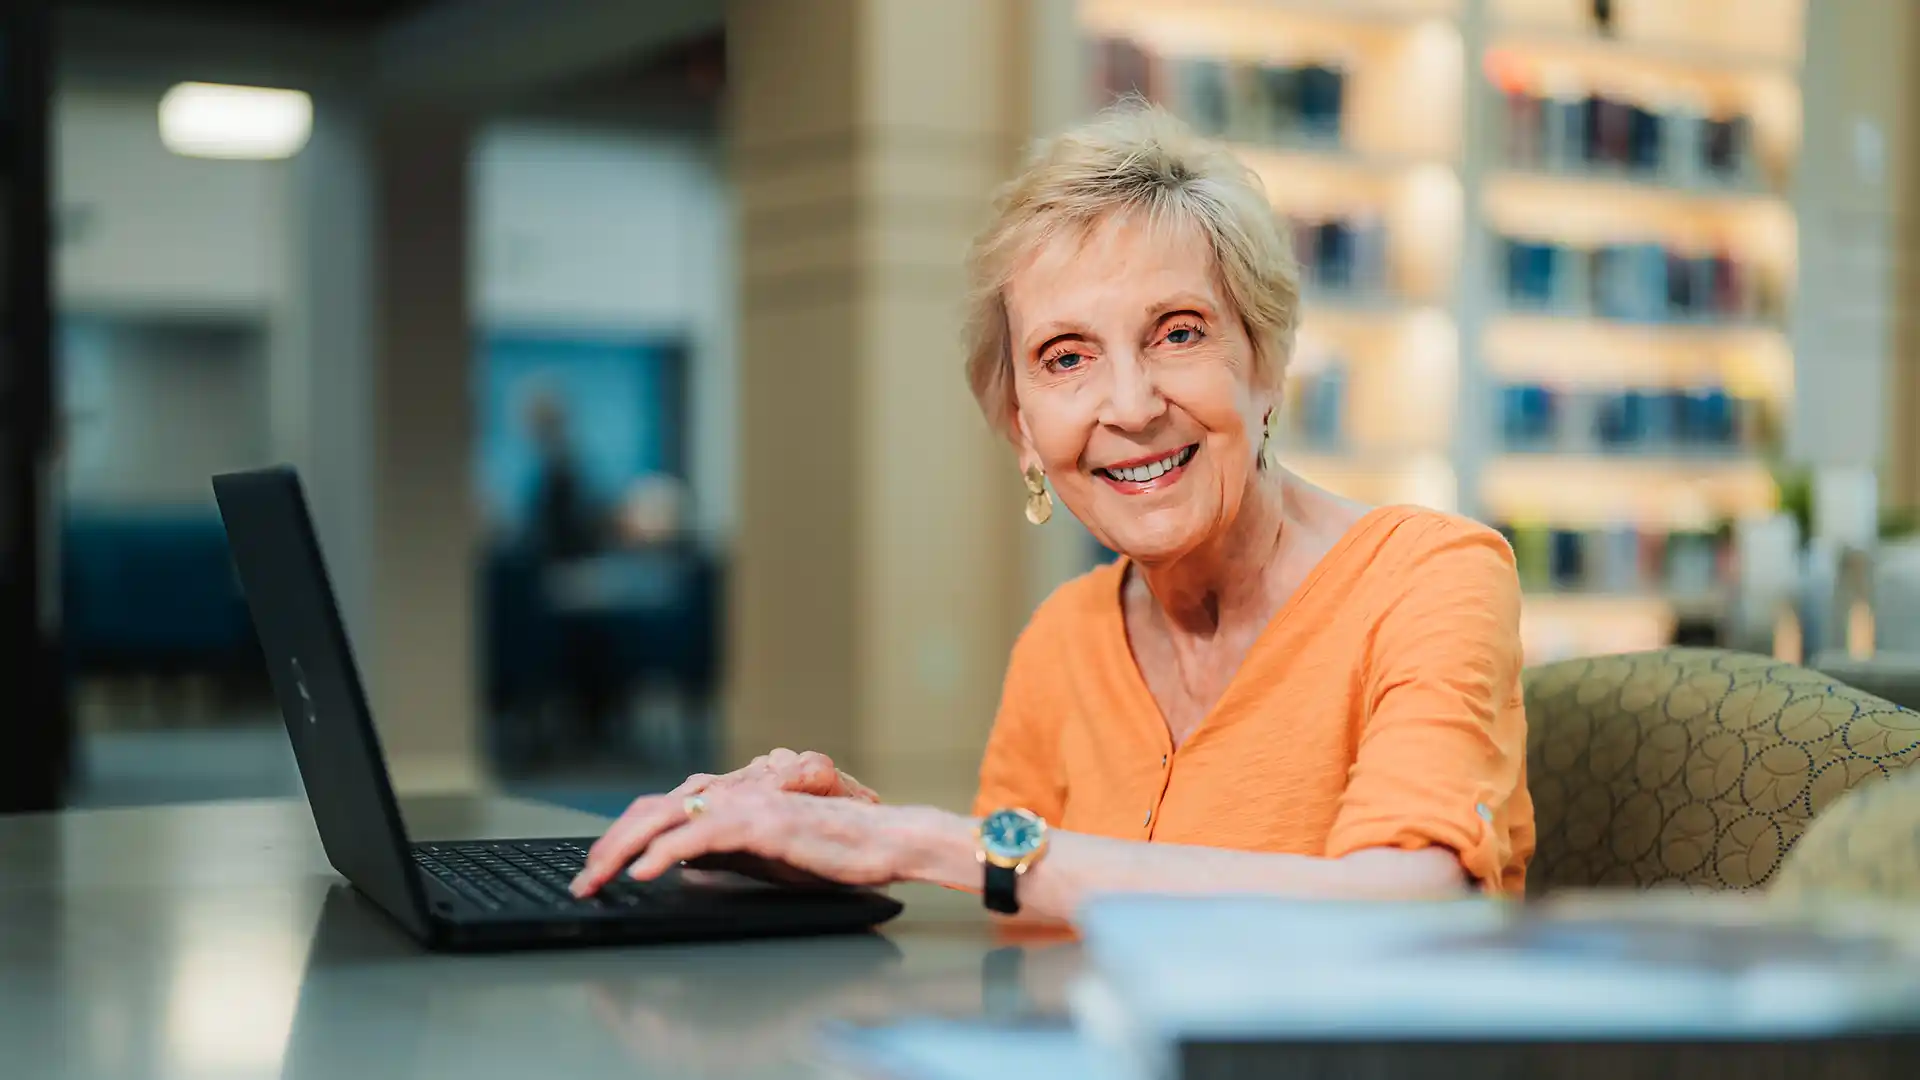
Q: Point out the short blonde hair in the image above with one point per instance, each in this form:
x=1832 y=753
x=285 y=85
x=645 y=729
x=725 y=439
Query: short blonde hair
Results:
x=1133 y=158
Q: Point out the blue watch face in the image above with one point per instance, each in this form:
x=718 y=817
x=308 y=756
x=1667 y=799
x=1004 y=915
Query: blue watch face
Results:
x=1011 y=834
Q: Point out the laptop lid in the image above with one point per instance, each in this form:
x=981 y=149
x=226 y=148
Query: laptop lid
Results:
x=317 y=685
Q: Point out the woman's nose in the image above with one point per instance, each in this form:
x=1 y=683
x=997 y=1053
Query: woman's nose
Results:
x=1134 y=401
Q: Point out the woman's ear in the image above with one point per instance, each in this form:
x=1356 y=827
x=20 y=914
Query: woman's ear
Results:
x=1268 y=420
x=1022 y=438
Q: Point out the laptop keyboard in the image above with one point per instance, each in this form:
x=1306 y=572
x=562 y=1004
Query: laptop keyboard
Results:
x=517 y=876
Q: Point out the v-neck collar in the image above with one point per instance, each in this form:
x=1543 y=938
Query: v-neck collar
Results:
x=1119 y=639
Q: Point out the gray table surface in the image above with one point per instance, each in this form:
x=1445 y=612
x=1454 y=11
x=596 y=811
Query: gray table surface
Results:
x=214 y=941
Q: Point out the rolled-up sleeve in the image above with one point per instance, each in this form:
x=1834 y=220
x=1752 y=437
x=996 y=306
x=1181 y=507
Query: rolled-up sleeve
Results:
x=1440 y=758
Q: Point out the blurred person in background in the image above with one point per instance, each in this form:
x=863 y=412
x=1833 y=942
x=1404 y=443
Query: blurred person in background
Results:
x=670 y=603
x=1272 y=689
x=565 y=528
x=652 y=513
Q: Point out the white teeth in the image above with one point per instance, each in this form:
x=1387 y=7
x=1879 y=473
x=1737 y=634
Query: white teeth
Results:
x=1140 y=474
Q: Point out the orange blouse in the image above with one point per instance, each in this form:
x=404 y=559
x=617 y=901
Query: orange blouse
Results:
x=1380 y=708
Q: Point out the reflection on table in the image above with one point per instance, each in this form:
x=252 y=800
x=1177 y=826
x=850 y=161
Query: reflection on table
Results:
x=213 y=941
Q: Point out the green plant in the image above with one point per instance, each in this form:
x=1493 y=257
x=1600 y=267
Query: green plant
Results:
x=1796 y=495
x=1899 y=522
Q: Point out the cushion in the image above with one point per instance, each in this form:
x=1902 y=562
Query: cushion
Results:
x=1697 y=768
x=1867 y=845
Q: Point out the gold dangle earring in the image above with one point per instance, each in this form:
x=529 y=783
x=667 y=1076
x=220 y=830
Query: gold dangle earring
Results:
x=1266 y=438
x=1039 y=499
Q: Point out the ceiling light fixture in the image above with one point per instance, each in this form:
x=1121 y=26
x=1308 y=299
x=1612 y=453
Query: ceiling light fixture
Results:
x=210 y=120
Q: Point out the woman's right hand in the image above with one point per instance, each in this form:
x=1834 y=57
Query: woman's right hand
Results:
x=808 y=773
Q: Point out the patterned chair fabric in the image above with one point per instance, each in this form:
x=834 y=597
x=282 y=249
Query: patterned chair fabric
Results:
x=1693 y=767
x=1867 y=845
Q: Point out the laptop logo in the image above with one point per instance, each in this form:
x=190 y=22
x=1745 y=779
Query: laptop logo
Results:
x=306 y=697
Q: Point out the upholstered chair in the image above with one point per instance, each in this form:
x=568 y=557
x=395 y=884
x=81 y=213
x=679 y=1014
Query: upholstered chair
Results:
x=1702 y=768
x=1865 y=846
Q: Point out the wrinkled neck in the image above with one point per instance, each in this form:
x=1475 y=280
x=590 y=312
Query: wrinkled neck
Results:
x=1225 y=580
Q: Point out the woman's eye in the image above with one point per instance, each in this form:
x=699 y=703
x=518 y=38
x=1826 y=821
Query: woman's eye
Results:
x=1065 y=361
x=1182 y=335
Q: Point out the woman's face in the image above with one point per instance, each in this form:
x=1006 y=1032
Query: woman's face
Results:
x=1134 y=386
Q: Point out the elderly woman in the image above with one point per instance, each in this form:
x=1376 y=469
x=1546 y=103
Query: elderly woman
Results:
x=1273 y=688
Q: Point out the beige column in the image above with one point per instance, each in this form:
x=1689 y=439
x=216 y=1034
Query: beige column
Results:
x=371 y=399
x=1056 y=96
x=883 y=565
x=1901 y=488
x=1856 y=330
x=426 y=536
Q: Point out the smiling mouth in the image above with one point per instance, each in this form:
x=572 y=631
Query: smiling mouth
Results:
x=1152 y=470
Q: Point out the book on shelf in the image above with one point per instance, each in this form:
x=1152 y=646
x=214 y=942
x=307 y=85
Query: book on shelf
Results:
x=1677 y=146
x=1316 y=406
x=1123 y=69
x=1634 y=282
x=1242 y=100
x=1619 y=560
x=1200 y=93
x=1342 y=256
x=1252 y=114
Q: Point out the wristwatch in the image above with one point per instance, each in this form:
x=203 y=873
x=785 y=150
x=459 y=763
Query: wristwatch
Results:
x=1011 y=840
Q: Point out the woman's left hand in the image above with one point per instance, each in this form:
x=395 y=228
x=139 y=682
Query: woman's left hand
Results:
x=843 y=840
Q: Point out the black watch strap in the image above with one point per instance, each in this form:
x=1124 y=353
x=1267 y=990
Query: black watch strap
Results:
x=1001 y=894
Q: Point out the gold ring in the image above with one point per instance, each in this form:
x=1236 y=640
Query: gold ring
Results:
x=694 y=806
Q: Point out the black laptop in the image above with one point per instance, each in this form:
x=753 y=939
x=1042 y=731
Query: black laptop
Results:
x=466 y=894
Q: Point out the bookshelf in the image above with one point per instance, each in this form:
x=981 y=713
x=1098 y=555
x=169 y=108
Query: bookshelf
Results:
x=1549 y=265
